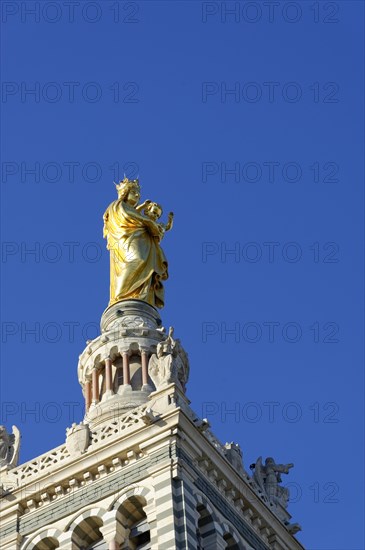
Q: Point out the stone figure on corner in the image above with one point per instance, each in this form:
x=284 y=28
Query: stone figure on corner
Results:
x=268 y=477
x=9 y=447
x=170 y=364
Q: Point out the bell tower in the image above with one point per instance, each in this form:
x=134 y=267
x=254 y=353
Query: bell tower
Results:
x=141 y=471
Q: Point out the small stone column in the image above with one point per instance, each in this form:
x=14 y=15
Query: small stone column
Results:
x=88 y=396
x=144 y=361
x=95 y=382
x=108 y=376
x=114 y=534
x=126 y=372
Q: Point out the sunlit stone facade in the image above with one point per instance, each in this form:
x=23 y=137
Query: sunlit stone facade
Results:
x=141 y=471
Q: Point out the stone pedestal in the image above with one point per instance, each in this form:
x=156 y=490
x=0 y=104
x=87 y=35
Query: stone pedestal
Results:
x=115 y=364
x=130 y=314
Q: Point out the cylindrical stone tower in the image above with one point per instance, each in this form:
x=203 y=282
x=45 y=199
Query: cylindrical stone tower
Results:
x=113 y=368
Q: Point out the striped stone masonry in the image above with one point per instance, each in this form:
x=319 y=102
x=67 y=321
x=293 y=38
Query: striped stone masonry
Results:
x=150 y=479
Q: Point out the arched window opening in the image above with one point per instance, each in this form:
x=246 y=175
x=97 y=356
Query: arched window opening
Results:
x=118 y=376
x=231 y=544
x=48 y=543
x=133 y=518
x=88 y=531
x=206 y=529
x=140 y=535
x=135 y=372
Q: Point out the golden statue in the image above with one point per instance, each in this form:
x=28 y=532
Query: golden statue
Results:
x=138 y=265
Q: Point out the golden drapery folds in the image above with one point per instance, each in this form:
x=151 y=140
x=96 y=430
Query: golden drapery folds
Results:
x=137 y=263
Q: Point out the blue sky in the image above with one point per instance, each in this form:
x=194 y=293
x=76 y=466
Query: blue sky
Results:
x=248 y=125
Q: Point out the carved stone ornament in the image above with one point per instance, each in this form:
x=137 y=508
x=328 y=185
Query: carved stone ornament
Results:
x=77 y=438
x=234 y=455
x=9 y=447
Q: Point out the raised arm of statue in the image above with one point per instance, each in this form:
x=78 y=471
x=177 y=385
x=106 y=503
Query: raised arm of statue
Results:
x=282 y=468
x=170 y=221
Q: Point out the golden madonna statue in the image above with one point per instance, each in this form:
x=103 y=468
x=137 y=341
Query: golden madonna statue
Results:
x=138 y=265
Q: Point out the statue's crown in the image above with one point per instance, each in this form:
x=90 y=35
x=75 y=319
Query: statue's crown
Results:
x=126 y=184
